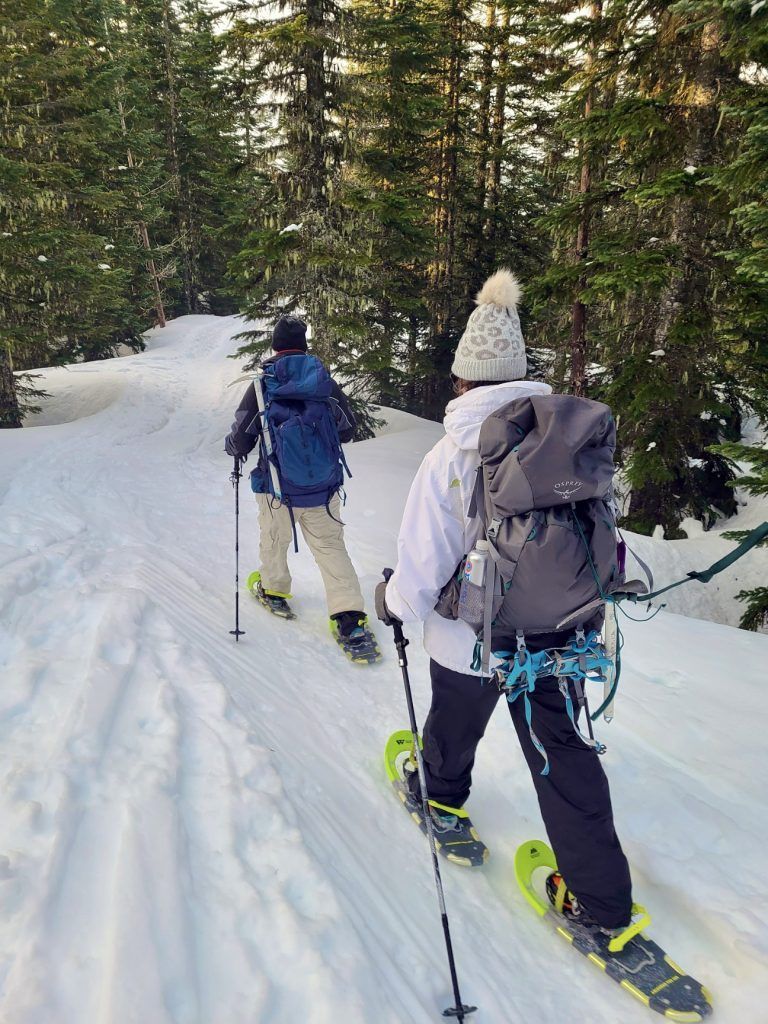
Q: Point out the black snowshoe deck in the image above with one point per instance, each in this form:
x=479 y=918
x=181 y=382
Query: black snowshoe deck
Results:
x=459 y=842
x=642 y=967
x=362 y=650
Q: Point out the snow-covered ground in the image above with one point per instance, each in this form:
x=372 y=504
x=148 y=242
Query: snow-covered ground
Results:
x=199 y=832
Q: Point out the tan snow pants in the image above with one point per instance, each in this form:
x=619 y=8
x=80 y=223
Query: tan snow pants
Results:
x=325 y=538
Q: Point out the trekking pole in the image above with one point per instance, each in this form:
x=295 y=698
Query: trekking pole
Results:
x=460 y=1010
x=235 y=478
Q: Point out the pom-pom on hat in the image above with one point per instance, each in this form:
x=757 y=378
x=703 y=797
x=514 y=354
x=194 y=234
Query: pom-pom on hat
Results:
x=492 y=346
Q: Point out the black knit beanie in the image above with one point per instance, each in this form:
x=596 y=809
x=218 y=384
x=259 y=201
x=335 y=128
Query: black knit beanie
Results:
x=289 y=332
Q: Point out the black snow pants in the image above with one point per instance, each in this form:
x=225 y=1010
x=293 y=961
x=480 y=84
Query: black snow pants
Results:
x=574 y=798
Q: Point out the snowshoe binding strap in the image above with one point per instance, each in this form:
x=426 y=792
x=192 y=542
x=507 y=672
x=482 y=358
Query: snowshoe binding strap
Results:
x=641 y=919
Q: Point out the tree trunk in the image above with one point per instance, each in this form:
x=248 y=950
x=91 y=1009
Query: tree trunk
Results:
x=144 y=232
x=187 y=271
x=484 y=137
x=445 y=241
x=452 y=154
x=497 y=133
x=141 y=226
x=316 y=173
x=579 y=309
x=10 y=414
x=688 y=286
x=688 y=283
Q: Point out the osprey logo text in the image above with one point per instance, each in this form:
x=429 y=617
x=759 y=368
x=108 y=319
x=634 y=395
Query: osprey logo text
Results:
x=567 y=488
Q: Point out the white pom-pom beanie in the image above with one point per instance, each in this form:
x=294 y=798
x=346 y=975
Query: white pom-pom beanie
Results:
x=492 y=346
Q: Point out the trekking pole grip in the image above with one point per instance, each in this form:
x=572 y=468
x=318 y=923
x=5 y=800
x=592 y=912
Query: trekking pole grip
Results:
x=401 y=642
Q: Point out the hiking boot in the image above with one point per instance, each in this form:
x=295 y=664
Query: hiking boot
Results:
x=274 y=603
x=560 y=896
x=455 y=836
x=277 y=604
x=444 y=818
x=567 y=904
x=350 y=623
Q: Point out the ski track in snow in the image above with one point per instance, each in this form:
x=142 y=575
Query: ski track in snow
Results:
x=200 y=832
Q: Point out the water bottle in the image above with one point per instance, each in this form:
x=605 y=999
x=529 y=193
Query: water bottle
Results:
x=472 y=592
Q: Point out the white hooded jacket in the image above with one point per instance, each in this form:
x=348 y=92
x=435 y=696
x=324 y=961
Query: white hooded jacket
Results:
x=436 y=532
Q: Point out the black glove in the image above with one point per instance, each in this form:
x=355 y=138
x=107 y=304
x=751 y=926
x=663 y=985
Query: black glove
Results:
x=382 y=612
x=231 y=448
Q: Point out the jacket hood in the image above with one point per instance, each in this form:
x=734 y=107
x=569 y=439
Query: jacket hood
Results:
x=464 y=416
x=273 y=357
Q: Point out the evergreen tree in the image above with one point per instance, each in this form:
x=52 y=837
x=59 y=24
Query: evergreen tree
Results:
x=646 y=302
x=429 y=105
x=304 y=248
x=756 y=482
x=69 y=265
x=201 y=151
x=394 y=101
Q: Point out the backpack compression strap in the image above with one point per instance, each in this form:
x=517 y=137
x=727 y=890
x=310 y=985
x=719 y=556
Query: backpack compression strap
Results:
x=757 y=535
x=266 y=435
x=492 y=574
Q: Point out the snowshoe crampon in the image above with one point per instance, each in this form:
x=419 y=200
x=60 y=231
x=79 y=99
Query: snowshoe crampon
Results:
x=277 y=604
x=360 y=646
x=455 y=835
x=640 y=966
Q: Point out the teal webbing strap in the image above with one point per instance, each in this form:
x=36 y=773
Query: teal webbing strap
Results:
x=477 y=656
x=534 y=738
x=760 y=533
x=512 y=697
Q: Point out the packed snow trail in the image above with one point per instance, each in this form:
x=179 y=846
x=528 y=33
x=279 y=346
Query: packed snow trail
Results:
x=199 y=832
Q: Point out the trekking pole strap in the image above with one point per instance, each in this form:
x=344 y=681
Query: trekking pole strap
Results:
x=293 y=530
x=759 y=534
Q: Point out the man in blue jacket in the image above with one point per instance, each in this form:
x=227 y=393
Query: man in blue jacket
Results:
x=320 y=524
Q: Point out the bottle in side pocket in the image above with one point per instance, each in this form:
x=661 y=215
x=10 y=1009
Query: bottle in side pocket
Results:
x=472 y=593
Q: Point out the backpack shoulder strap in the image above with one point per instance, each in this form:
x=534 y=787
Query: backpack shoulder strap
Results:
x=477 y=492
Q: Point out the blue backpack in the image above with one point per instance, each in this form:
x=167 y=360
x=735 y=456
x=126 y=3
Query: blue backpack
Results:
x=301 y=420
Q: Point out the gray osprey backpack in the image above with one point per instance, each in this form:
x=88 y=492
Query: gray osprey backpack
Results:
x=544 y=493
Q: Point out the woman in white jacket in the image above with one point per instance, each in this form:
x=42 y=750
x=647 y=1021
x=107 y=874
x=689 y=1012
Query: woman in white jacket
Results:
x=436 y=533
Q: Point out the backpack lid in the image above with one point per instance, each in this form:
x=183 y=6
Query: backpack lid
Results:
x=298 y=377
x=547 y=450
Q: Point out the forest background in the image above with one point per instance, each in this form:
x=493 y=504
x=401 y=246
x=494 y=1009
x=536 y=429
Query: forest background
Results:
x=370 y=163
